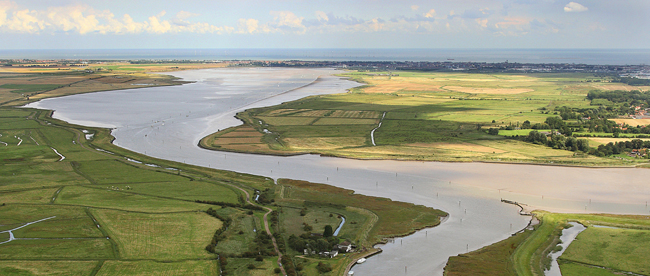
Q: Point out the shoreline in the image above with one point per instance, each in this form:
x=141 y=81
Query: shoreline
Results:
x=323 y=155
x=199 y=144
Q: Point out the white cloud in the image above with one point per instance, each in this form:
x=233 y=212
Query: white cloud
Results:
x=287 y=20
x=247 y=25
x=5 y=6
x=25 y=21
x=430 y=13
x=415 y=7
x=82 y=19
x=322 y=16
x=185 y=15
x=575 y=7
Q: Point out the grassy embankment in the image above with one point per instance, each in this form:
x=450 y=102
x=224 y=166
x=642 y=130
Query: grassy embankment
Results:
x=429 y=116
x=596 y=251
x=110 y=215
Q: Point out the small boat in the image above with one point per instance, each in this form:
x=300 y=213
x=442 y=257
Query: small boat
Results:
x=362 y=260
x=351 y=273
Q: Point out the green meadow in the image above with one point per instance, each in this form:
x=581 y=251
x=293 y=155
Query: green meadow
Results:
x=620 y=248
x=431 y=116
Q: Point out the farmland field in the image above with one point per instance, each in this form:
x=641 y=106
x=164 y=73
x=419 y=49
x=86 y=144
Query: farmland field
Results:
x=443 y=110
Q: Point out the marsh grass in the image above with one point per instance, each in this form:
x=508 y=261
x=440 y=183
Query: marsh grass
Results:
x=47 y=268
x=617 y=249
x=153 y=268
x=159 y=236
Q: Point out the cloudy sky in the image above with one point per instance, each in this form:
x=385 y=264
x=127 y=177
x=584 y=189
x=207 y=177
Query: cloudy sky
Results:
x=104 y=24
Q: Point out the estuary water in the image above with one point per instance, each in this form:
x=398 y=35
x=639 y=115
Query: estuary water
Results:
x=168 y=122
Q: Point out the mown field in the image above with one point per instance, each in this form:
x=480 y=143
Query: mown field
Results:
x=620 y=249
x=424 y=116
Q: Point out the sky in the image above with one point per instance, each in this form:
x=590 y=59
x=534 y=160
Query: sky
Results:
x=466 y=24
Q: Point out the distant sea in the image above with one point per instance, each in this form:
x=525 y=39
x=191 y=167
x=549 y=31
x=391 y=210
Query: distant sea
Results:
x=577 y=56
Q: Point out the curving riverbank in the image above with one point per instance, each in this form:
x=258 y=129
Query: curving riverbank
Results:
x=470 y=192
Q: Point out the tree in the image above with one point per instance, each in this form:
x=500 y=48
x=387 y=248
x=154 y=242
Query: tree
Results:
x=493 y=131
x=328 y=231
x=554 y=122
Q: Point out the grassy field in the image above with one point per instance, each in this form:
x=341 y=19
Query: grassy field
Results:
x=441 y=109
x=491 y=260
x=118 y=268
x=617 y=249
x=46 y=268
x=159 y=236
x=596 y=251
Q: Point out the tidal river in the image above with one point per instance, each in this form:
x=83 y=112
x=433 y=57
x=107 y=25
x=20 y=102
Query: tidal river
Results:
x=168 y=122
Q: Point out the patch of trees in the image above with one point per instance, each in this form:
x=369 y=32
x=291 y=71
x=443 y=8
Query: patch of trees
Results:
x=323 y=267
x=218 y=235
x=266 y=196
x=557 y=141
x=328 y=232
x=312 y=243
x=632 y=81
x=620 y=147
x=634 y=97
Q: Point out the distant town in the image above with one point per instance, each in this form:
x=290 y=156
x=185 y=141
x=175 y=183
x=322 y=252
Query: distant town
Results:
x=632 y=71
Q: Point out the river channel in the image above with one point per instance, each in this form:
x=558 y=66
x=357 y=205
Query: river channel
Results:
x=168 y=122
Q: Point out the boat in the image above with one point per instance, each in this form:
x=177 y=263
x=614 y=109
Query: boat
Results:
x=362 y=260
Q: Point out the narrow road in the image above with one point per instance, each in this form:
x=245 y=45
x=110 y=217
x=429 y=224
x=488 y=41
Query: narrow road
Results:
x=266 y=227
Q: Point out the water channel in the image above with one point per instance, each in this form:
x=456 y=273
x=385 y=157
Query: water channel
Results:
x=168 y=122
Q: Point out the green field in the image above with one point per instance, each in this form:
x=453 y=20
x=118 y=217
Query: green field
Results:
x=617 y=249
x=118 y=268
x=596 y=251
x=427 y=115
x=159 y=236
x=92 y=207
x=46 y=268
